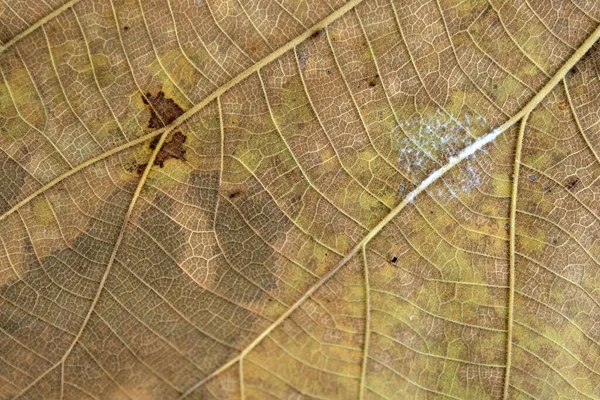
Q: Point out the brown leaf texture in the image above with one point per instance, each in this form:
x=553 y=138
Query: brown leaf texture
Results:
x=285 y=199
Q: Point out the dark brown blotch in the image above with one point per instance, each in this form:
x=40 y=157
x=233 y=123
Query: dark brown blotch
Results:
x=163 y=110
x=373 y=81
x=174 y=148
x=171 y=149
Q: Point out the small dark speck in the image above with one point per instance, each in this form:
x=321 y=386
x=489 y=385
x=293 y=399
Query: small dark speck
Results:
x=125 y=28
x=532 y=178
x=394 y=259
x=329 y=72
x=235 y=194
x=507 y=226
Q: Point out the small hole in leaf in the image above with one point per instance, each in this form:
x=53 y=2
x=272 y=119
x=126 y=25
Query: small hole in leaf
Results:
x=394 y=259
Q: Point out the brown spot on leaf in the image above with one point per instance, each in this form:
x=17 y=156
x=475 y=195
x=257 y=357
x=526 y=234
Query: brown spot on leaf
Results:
x=153 y=143
x=563 y=105
x=235 y=194
x=141 y=168
x=316 y=34
x=171 y=149
x=372 y=82
x=163 y=111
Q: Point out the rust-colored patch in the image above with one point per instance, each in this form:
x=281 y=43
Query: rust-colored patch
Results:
x=141 y=168
x=171 y=149
x=163 y=111
x=563 y=105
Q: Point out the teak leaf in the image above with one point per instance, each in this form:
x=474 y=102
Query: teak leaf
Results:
x=284 y=199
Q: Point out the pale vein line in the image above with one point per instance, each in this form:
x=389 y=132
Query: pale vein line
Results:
x=212 y=15
x=40 y=131
x=38 y=259
x=410 y=382
x=254 y=25
x=363 y=375
x=387 y=96
x=64 y=91
x=80 y=167
x=307 y=363
x=278 y=376
x=304 y=173
x=192 y=111
x=110 y=377
x=511 y=271
x=556 y=275
x=556 y=36
x=296 y=224
x=241 y=373
x=579 y=127
x=438 y=356
x=458 y=63
x=181 y=46
x=570 y=193
x=133 y=353
x=550 y=366
x=468 y=151
x=35 y=26
x=157 y=56
x=430 y=313
x=515 y=42
x=413 y=62
x=108 y=267
x=313 y=106
x=357 y=108
x=95 y=75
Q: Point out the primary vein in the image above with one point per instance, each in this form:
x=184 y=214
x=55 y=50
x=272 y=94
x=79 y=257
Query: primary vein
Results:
x=465 y=153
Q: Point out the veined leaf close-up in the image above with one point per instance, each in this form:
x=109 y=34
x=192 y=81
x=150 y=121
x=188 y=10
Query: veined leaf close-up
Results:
x=290 y=199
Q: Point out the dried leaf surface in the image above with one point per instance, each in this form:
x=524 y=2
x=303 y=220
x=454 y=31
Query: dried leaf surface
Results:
x=268 y=199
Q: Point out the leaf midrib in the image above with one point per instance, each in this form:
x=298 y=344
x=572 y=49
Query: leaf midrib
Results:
x=535 y=100
x=361 y=246
x=192 y=111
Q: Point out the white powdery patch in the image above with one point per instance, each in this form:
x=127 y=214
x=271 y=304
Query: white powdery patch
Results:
x=468 y=151
x=425 y=143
